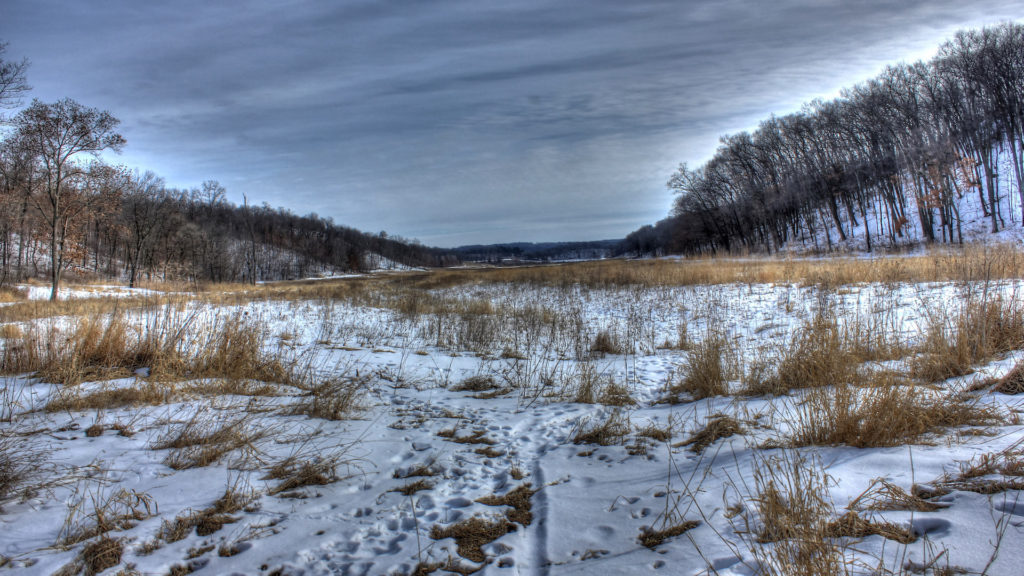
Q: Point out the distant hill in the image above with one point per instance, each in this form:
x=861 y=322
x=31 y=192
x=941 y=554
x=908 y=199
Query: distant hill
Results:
x=537 y=251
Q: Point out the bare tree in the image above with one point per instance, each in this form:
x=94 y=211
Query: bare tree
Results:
x=58 y=135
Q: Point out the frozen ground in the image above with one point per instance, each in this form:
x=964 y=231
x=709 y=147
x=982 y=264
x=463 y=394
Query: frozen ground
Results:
x=591 y=502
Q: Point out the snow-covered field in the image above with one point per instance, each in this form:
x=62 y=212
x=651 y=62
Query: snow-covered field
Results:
x=463 y=395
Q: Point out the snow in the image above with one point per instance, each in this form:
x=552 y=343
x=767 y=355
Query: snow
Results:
x=593 y=501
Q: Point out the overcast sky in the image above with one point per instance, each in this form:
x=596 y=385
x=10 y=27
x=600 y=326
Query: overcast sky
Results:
x=454 y=121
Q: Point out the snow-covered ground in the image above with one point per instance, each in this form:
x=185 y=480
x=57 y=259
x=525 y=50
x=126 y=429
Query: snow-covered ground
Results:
x=591 y=503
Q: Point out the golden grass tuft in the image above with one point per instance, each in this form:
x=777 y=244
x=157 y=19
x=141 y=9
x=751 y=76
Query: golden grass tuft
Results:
x=704 y=375
x=794 y=510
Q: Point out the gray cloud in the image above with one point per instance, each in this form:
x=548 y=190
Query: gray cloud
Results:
x=459 y=121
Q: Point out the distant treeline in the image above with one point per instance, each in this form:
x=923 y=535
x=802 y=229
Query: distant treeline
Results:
x=901 y=155
x=62 y=208
x=537 y=251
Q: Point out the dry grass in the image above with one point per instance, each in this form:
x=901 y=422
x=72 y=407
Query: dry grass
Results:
x=478 y=383
x=613 y=430
x=888 y=414
x=298 y=472
x=973 y=262
x=818 y=354
x=474 y=437
x=978 y=329
x=851 y=525
x=140 y=393
x=169 y=344
x=652 y=538
x=882 y=495
x=715 y=429
x=472 y=534
x=206 y=438
x=1013 y=382
x=331 y=399
x=989 y=473
x=518 y=500
x=704 y=375
x=20 y=464
x=211 y=519
x=606 y=342
x=413 y=487
x=794 y=510
x=101 y=554
x=95 y=513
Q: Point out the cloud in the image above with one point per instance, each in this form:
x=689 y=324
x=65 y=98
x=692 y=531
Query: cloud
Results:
x=459 y=121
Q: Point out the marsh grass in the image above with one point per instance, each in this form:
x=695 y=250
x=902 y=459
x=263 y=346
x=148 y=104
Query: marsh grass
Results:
x=886 y=414
x=979 y=328
x=168 y=345
x=704 y=375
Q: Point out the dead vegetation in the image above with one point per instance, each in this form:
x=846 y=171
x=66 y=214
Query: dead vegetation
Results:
x=206 y=438
x=978 y=329
x=716 y=428
x=887 y=414
x=704 y=374
x=211 y=519
x=299 y=471
x=169 y=345
x=472 y=534
x=652 y=538
x=612 y=430
x=518 y=499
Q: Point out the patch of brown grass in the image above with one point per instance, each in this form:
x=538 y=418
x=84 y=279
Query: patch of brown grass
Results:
x=882 y=495
x=716 y=428
x=794 y=510
x=472 y=534
x=331 y=399
x=651 y=538
x=518 y=500
x=411 y=488
x=210 y=519
x=851 y=525
x=478 y=383
x=101 y=554
x=606 y=343
x=96 y=513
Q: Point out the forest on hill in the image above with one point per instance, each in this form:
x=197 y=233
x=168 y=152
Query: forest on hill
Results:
x=914 y=155
x=63 y=209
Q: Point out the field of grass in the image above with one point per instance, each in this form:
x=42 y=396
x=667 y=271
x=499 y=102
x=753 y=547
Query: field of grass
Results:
x=724 y=416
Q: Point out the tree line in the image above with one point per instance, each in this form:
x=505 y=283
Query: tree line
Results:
x=901 y=155
x=62 y=208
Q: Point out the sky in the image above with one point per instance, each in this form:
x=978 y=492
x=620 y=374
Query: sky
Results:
x=459 y=121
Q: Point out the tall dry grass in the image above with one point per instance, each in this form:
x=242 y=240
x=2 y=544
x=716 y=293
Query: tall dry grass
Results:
x=168 y=344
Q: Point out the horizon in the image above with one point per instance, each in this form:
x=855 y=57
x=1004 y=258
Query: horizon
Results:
x=453 y=123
